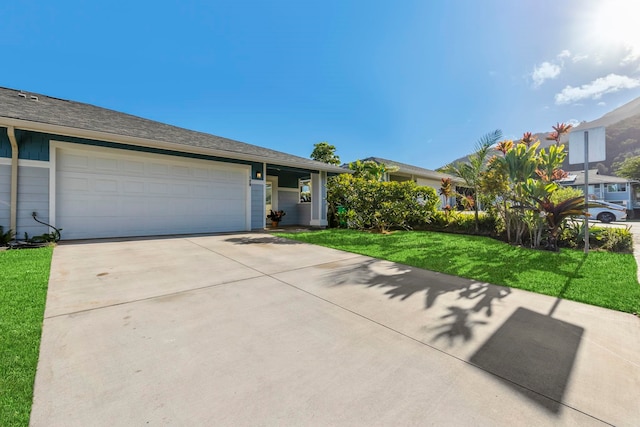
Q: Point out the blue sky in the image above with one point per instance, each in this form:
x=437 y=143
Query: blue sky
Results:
x=414 y=81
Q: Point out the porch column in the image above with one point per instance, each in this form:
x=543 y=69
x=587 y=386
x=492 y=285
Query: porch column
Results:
x=319 y=199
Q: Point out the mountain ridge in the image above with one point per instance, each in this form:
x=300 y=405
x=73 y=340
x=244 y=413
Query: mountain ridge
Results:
x=622 y=129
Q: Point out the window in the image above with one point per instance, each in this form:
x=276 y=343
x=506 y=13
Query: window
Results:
x=614 y=188
x=594 y=190
x=305 y=190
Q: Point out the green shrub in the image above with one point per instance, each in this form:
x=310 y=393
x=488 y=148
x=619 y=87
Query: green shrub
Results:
x=439 y=221
x=462 y=223
x=5 y=237
x=600 y=238
x=613 y=240
x=368 y=204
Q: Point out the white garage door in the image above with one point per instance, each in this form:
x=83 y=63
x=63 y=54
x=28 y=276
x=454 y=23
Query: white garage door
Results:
x=115 y=193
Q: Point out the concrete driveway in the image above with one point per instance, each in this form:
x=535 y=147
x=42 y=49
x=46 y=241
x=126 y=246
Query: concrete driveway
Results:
x=249 y=329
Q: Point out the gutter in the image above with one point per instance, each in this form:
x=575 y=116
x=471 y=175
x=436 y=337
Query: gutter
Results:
x=13 y=211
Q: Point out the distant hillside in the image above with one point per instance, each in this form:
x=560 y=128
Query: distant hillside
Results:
x=623 y=137
x=622 y=133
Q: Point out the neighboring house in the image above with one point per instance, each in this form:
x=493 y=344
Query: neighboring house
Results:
x=96 y=172
x=421 y=176
x=606 y=187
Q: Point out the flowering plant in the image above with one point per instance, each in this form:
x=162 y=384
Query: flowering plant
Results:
x=276 y=216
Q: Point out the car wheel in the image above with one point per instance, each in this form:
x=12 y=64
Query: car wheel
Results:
x=606 y=217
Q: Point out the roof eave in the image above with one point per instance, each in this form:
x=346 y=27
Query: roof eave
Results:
x=152 y=143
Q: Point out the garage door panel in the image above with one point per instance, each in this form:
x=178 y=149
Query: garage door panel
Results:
x=157 y=188
x=133 y=187
x=115 y=193
x=105 y=185
x=74 y=161
x=132 y=168
x=180 y=190
x=106 y=165
x=75 y=183
x=158 y=169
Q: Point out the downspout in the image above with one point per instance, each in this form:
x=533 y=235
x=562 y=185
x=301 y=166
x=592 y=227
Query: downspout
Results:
x=13 y=212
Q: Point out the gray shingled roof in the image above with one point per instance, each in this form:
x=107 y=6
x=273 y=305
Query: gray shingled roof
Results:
x=411 y=170
x=77 y=115
x=577 y=178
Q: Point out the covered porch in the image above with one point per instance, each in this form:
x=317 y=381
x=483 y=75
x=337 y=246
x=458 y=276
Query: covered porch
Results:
x=300 y=193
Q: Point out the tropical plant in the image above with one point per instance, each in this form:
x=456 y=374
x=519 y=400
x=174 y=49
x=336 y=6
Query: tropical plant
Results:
x=558 y=130
x=522 y=181
x=52 y=237
x=6 y=237
x=325 y=153
x=276 y=216
x=516 y=167
x=370 y=170
x=471 y=172
x=446 y=191
x=555 y=214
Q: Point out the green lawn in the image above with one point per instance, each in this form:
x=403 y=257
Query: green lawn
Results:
x=24 y=275
x=601 y=278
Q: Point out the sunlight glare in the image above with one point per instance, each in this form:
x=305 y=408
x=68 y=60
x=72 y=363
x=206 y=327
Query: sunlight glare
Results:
x=615 y=24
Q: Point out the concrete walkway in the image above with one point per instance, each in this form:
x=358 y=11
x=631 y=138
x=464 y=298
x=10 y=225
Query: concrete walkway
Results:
x=249 y=329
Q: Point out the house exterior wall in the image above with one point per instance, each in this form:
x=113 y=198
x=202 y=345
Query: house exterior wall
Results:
x=33 y=182
x=304 y=213
x=601 y=193
x=323 y=198
x=258 y=215
x=5 y=195
x=33 y=196
x=288 y=202
x=319 y=199
x=5 y=145
x=35 y=146
x=425 y=182
x=288 y=180
x=619 y=196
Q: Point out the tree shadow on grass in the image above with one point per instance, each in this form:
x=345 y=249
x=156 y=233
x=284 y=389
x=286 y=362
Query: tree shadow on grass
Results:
x=482 y=260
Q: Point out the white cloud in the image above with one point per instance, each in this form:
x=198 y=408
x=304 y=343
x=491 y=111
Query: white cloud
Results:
x=549 y=69
x=597 y=88
x=602 y=103
x=543 y=72
x=578 y=58
x=633 y=54
x=573 y=122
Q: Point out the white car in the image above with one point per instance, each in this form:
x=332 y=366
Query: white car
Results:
x=607 y=212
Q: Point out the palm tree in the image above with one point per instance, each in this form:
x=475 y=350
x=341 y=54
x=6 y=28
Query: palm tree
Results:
x=471 y=171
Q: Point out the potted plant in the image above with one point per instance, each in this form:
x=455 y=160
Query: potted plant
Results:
x=275 y=217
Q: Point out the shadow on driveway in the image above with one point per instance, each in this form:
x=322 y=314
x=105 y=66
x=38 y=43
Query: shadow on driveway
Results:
x=530 y=352
x=533 y=351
